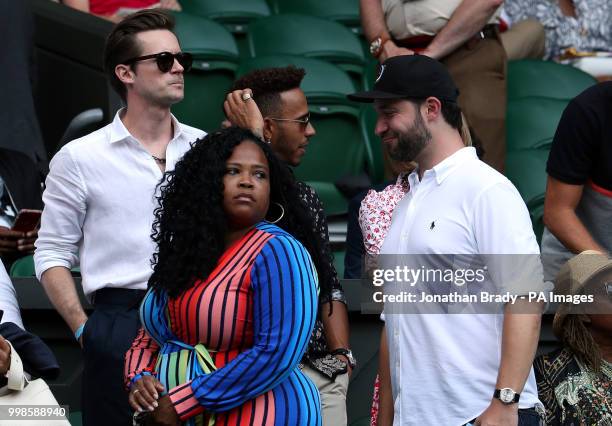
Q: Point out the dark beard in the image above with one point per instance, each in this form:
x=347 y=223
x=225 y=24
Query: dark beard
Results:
x=411 y=143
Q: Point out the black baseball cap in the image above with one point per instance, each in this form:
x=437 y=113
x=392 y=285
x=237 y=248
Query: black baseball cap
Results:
x=410 y=76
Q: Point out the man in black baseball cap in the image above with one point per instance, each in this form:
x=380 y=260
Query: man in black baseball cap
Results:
x=456 y=204
x=413 y=76
x=416 y=99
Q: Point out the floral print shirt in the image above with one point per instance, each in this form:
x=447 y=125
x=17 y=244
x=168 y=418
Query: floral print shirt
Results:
x=590 y=30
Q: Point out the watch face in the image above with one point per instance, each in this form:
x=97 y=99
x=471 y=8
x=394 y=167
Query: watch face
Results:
x=375 y=45
x=506 y=395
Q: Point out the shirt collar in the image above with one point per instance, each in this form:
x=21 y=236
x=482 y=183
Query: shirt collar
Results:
x=445 y=167
x=118 y=131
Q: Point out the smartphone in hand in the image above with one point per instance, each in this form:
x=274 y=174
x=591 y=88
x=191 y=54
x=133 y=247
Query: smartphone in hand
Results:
x=27 y=220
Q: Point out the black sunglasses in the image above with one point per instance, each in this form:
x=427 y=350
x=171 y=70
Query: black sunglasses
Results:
x=165 y=60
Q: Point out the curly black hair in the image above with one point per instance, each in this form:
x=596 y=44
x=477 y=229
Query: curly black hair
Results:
x=190 y=223
x=267 y=85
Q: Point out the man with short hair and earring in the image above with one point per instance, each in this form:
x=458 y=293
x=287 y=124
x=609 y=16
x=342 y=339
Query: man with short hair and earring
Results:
x=270 y=102
x=99 y=203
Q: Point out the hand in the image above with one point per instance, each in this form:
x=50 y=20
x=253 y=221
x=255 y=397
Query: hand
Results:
x=26 y=245
x=244 y=114
x=165 y=414
x=390 y=49
x=9 y=240
x=345 y=360
x=5 y=356
x=498 y=414
x=144 y=393
x=170 y=4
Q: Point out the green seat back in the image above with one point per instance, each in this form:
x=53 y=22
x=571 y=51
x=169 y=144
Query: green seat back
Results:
x=202 y=106
x=345 y=12
x=372 y=144
x=527 y=171
x=235 y=15
x=530 y=77
x=215 y=62
x=335 y=152
x=323 y=82
x=334 y=203
x=302 y=35
x=23 y=267
x=206 y=40
x=532 y=122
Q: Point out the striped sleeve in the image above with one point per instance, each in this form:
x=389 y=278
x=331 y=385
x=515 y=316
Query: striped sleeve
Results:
x=141 y=356
x=284 y=285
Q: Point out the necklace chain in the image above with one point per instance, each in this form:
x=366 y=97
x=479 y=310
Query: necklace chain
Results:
x=159 y=160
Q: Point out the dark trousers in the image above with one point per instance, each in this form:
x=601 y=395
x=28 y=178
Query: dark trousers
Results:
x=108 y=334
x=527 y=417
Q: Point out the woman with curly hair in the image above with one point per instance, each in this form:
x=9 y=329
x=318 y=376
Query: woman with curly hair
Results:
x=233 y=297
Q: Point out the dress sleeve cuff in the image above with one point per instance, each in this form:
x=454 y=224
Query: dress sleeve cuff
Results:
x=185 y=402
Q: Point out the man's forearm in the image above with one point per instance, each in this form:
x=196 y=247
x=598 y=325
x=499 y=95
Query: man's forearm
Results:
x=336 y=326
x=570 y=231
x=520 y=335
x=373 y=19
x=467 y=20
x=61 y=290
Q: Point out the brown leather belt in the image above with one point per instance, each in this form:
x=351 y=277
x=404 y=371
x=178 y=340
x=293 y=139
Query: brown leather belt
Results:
x=420 y=42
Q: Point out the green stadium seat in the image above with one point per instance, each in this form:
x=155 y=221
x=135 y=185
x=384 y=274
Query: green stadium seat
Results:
x=235 y=15
x=527 y=171
x=308 y=36
x=337 y=150
x=530 y=77
x=23 y=267
x=324 y=82
x=532 y=122
x=215 y=62
x=373 y=148
x=345 y=12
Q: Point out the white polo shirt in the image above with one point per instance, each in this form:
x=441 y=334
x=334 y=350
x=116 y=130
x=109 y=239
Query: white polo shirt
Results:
x=444 y=367
x=99 y=202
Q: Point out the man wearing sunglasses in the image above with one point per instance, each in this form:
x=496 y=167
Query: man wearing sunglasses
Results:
x=270 y=103
x=99 y=203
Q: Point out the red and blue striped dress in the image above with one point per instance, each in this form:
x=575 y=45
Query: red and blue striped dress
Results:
x=254 y=315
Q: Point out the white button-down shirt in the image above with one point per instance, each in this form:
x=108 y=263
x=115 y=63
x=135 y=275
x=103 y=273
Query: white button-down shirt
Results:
x=444 y=366
x=99 y=202
x=8 y=299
